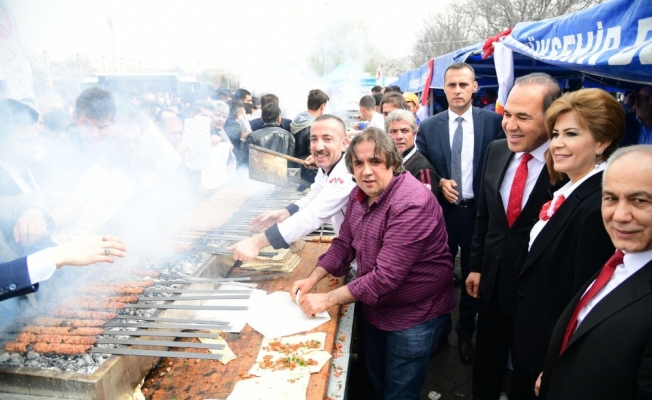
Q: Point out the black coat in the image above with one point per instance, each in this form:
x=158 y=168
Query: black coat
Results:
x=496 y=245
x=420 y=168
x=14 y=279
x=271 y=137
x=610 y=354
x=571 y=247
x=258 y=124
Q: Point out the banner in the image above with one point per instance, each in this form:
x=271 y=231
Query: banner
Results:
x=504 y=61
x=613 y=40
x=18 y=78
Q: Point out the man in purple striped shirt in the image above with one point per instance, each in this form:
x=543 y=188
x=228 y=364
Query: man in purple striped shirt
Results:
x=394 y=229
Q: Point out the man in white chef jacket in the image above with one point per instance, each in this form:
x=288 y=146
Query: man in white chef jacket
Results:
x=327 y=198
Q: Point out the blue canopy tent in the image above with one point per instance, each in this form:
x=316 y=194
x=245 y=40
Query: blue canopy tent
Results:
x=607 y=46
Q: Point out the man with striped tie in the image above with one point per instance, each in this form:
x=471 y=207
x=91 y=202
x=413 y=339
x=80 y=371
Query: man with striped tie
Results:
x=601 y=347
x=455 y=143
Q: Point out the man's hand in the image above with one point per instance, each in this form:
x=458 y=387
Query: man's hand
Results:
x=630 y=100
x=314 y=303
x=537 y=385
x=215 y=140
x=88 y=250
x=268 y=218
x=310 y=162
x=305 y=285
x=473 y=284
x=446 y=186
x=248 y=249
x=30 y=227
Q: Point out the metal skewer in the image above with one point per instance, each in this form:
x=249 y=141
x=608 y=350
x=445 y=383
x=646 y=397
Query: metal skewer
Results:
x=155 y=353
x=165 y=343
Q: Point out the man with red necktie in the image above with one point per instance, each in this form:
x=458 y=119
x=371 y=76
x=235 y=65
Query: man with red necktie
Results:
x=601 y=347
x=515 y=185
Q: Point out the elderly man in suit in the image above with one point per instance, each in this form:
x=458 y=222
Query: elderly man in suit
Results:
x=455 y=143
x=515 y=185
x=601 y=347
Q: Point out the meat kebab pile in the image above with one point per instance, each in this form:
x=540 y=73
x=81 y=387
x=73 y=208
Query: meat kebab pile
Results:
x=76 y=323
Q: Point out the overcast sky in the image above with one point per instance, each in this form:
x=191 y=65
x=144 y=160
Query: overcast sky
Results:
x=200 y=34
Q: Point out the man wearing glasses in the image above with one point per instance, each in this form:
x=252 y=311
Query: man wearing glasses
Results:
x=639 y=122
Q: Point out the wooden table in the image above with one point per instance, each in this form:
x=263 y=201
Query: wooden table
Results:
x=201 y=379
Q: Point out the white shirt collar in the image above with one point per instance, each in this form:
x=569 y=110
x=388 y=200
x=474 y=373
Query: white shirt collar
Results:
x=635 y=261
x=539 y=153
x=468 y=115
x=569 y=187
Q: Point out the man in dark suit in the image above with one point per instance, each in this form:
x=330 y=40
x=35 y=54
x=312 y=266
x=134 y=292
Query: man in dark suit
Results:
x=258 y=123
x=515 y=184
x=601 y=347
x=639 y=122
x=455 y=143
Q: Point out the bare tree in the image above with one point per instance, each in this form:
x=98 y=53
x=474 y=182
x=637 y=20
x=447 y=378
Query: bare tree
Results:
x=443 y=33
x=470 y=21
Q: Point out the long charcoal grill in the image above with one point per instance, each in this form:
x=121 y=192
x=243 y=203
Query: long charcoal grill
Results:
x=118 y=375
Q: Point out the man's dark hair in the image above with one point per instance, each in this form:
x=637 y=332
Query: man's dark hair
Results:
x=368 y=102
x=316 y=98
x=395 y=88
x=376 y=89
x=95 y=103
x=199 y=104
x=379 y=98
x=384 y=149
x=491 y=92
x=394 y=98
x=255 y=101
x=249 y=108
x=548 y=83
x=268 y=98
x=458 y=66
x=13 y=115
x=241 y=94
x=326 y=117
x=270 y=114
x=233 y=109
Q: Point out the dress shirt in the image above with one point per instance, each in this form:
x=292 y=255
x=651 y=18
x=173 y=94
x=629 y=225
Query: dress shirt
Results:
x=632 y=262
x=377 y=121
x=40 y=266
x=565 y=191
x=467 y=148
x=534 y=167
x=644 y=134
x=399 y=242
x=16 y=174
x=326 y=200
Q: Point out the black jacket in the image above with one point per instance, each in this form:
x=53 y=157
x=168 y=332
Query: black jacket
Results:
x=419 y=166
x=571 y=247
x=496 y=246
x=272 y=137
x=258 y=124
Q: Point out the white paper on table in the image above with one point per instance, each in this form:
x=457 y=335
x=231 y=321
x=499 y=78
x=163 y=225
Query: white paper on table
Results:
x=316 y=353
x=286 y=387
x=197 y=137
x=236 y=318
x=276 y=315
x=97 y=196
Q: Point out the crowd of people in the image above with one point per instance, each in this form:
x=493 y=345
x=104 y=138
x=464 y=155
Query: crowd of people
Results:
x=548 y=206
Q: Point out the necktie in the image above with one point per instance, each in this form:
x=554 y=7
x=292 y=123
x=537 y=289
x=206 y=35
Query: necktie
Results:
x=456 y=158
x=543 y=214
x=518 y=187
x=603 y=278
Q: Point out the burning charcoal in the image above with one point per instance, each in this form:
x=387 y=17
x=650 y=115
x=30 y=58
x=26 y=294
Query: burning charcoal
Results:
x=4 y=357
x=32 y=355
